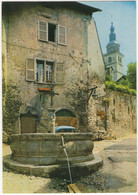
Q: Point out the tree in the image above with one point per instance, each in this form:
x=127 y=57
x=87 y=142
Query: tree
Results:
x=131 y=75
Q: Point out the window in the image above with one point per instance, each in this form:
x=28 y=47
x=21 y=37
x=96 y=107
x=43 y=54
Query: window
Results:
x=119 y=59
x=42 y=71
x=52 y=32
x=49 y=67
x=109 y=59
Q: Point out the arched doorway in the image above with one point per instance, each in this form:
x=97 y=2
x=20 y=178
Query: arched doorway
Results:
x=65 y=117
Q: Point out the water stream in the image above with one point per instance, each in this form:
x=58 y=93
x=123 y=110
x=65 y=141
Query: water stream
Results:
x=65 y=151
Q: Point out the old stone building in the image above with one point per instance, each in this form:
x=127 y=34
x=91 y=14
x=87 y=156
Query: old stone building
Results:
x=52 y=65
x=113 y=58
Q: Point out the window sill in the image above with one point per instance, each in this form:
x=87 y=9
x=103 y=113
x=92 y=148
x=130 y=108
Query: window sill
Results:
x=53 y=43
x=44 y=83
x=49 y=42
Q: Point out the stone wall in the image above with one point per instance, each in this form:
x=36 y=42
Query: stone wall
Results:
x=116 y=113
x=121 y=113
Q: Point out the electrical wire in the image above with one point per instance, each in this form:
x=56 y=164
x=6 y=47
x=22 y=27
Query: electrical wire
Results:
x=69 y=55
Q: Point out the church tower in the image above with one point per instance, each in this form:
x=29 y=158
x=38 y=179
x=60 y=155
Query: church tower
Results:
x=113 y=58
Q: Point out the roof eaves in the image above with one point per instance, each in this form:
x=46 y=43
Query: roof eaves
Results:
x=93 y=9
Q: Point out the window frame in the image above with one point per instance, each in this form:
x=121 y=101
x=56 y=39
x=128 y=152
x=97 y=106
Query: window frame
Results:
x=53 y=70
x=57 y=33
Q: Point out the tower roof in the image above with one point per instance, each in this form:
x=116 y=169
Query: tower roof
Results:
x=112 y=39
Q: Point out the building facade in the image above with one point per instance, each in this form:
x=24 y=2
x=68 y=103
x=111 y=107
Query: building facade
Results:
x=52 y=65
x=113 y=58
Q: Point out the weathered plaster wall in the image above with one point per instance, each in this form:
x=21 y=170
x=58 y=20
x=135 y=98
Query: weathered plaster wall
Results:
x=94 y=51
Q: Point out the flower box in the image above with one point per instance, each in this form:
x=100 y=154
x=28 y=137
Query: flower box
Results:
x=44 y=89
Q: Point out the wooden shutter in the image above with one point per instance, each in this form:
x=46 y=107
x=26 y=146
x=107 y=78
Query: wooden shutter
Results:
x=30 y=70
x=59 y=73
x=42 y=30
x=62 y=35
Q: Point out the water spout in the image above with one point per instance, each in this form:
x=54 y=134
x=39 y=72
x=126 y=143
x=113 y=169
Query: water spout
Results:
x=65 y=151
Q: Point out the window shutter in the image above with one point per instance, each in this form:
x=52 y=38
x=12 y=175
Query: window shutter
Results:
x=30 y=70
x=42 y=30
x=62 y=35
x=59 y=73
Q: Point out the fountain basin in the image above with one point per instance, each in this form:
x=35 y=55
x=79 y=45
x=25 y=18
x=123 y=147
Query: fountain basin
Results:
x=42 y=154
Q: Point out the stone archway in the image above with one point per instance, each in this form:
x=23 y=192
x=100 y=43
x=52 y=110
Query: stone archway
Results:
x=66 y=117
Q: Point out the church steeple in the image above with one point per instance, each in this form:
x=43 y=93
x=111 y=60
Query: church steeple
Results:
x=113 y=44
x=113 y=58
x=112 y=36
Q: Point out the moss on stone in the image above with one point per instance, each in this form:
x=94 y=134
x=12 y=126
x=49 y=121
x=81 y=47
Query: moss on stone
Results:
x=11 y=109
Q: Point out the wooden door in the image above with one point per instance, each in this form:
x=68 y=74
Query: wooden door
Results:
x=66 y=121
x=28 y=124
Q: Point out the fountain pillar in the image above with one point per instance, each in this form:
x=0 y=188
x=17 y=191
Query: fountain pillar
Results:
x=51 y=114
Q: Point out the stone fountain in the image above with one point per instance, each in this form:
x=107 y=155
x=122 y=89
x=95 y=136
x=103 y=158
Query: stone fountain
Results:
x=42 y=154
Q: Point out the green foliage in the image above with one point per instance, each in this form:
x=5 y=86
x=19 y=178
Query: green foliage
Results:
x=110 y=85
x=131 y=75
x=108 y=77
x=11 y=109
x=121 y=88
x=132 y=91
x=4 y=137
x=123 y=82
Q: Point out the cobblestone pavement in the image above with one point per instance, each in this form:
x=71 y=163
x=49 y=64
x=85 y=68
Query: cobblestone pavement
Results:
x=118 y=173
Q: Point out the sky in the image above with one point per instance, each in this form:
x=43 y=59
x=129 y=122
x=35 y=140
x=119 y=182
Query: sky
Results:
x=123 y=16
